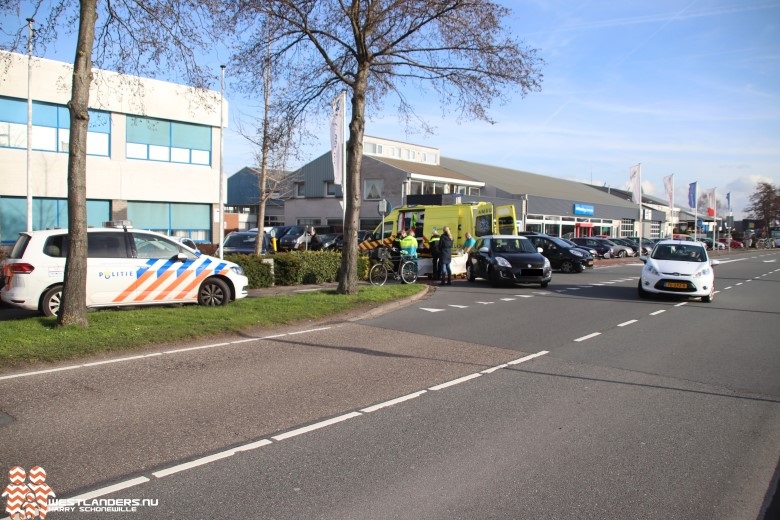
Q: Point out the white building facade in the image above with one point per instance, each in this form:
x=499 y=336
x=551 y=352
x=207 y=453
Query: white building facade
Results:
x=152 y=151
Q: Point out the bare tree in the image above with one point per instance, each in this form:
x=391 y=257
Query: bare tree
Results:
x=764 y=205
x=372 y=48
x=273 y=139
x=127 y=36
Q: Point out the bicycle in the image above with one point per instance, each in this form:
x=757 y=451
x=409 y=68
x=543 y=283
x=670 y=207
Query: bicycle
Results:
x=386 y=264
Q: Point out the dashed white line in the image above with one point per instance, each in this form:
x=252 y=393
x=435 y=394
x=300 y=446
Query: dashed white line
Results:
x=316 y=426
x=392 y=402
x=485 y=303
x=583 y=338
x=681 y=304
x=508 y=299
x=629 y=322
x=459 y=306
x=455 y=381
x=528 y=357
x=656 y=313
x=430 y=309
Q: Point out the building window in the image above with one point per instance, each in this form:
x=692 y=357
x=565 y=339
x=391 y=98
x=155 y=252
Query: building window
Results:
x=474 y=190
x=168 y=141
x=299 y=189
x=330 y=189
x=372 y=189
x=50 y=127
x=627 y=227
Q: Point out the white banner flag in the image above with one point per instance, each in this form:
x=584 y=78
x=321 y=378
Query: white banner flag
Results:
x=337 y=137
x=635 y=184
x=669 y=185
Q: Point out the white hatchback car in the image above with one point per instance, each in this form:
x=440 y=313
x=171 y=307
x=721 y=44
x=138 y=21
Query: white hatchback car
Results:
x=678 y=267
x=125 y=267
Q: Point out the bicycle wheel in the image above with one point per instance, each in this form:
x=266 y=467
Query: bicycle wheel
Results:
x=378 y=274
x=409 y=272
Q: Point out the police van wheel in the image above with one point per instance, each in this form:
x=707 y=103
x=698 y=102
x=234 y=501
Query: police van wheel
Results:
x=213 y=292
x=50 y=302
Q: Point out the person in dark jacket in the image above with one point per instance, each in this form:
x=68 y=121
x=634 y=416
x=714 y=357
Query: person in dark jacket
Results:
x=433 y=247
x=445 y=255
x=315 y=242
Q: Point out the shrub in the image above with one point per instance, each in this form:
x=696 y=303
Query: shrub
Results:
x=260 y=273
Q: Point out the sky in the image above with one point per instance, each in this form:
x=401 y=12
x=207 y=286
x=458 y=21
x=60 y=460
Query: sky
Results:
x=689 y=88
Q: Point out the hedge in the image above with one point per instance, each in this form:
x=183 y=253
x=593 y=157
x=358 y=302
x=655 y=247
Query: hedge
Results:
x=295 y=268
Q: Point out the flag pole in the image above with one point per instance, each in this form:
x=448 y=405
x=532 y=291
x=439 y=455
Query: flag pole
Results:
x=672 y=204
x=641 y=212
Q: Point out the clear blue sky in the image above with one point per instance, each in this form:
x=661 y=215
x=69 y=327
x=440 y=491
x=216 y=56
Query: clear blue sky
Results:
x=690 y=88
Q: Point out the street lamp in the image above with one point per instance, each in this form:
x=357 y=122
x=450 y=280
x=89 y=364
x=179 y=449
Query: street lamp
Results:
x=222 y=164
x=29 y=123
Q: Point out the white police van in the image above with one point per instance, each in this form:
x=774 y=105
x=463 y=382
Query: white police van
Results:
x=125 y=267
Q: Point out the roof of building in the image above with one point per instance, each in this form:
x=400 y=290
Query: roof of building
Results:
x=429 y=171
x=520 y=182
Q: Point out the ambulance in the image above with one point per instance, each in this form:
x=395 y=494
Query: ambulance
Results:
x=478 y=218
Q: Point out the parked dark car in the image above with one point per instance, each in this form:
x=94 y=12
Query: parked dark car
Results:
x=508 y=259
x=592 y=252
x=602 y=247
x=338 y=244
x=243 y=242
x=297 y=237
x=567 y=258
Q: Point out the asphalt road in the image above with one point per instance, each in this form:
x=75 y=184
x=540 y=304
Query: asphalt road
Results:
x=611 y=407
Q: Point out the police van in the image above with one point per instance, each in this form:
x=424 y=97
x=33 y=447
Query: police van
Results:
x=125 y=267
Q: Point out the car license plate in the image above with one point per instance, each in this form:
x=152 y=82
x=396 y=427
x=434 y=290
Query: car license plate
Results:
x=676 y=285
x=590 y=263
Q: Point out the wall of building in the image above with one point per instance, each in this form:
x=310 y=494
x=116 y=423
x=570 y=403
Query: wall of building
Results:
x=115 y=178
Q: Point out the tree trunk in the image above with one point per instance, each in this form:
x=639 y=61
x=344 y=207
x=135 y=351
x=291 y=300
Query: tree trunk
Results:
x=349 y=255
x=73 y=308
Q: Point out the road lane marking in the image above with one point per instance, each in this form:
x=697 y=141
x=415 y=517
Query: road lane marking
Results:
x=316 y=426
x=583 y=338
x=392 y=402
x=459 y=306
x=681 y=304
x=528 y=357
x=431 y=309
x=656 y=313
x=455 y=381
x=508 y=299
x=629 y=322
x=292 y=433
x=485 y=303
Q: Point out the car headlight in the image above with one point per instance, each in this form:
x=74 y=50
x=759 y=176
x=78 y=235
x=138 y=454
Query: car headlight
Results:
x=503 y=262
x=546 y=262
x=702 y=272
x=576 y=253
x=652 y=270
x=237 y=269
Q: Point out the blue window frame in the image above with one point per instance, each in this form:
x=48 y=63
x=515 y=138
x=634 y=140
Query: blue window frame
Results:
x=168 y=141
x=50 y=127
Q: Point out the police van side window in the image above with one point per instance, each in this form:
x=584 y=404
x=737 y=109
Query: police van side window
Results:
x=54 y=246
x=152 y=246
x=106 y=245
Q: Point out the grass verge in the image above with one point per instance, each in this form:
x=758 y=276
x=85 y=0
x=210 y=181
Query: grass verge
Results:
x=34 y=340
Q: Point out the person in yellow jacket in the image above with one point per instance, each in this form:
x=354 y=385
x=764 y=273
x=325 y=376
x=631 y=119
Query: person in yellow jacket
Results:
x=409 y=244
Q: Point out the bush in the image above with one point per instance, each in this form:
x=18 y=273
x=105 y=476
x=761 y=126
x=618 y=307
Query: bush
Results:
x=260 y=273
x=295 y=268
